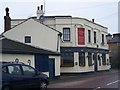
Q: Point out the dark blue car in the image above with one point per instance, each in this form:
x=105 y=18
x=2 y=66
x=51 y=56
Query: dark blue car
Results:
x=20 y=76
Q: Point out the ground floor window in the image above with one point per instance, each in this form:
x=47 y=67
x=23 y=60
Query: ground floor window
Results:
x=67 y=59
x=81 y=58
x=93 y=56
x=99 y=59
x=89 y=59
x=103 y=59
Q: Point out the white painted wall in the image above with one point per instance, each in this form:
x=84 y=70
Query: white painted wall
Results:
x=74 y=23
x=41 y=35
x=22 y=58
x=57 y=64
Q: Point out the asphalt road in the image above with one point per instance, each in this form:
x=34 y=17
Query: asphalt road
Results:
x=107 y=80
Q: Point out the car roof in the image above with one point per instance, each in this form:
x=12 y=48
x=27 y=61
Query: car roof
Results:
x=10 y=63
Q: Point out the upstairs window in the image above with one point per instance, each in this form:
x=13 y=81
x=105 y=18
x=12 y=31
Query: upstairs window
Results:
x=66 y=34
x=94 y=37
x=81 y=36
x=27 y=39
x=89 y=36
x=102 y=39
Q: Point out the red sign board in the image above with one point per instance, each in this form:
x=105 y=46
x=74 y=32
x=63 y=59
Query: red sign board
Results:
x=81 y=36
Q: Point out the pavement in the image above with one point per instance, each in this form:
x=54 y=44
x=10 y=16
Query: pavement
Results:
x=76 y=77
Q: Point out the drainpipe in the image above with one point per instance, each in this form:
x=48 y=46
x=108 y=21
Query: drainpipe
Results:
x=59 y=36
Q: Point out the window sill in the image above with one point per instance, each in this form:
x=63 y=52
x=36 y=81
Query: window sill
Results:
x=94 y=43
x=67 y=66
x=67 y=42
x=81 y=66
x=90 y=43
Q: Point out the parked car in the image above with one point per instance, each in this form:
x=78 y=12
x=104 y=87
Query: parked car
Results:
x=20 y=76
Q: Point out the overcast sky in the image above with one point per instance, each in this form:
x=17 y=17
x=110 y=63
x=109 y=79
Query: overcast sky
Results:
x=105 y=12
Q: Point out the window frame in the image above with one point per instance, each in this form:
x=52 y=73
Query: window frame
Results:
x=81 y=36
x=99 y=59
x=103 y=39
x=89 y=36
x=89 y=59
x=95 y=38
x=104 y=62
x=63 y=59
x=66 y=34
x=83 y=59
x=27 y=39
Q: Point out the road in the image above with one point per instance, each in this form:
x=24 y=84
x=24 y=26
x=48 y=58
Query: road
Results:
x=94 y=81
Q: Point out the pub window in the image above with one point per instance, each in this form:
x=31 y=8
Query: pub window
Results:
x=66 y=34
x=89 y=36
x=67 y=59
x=93 y=56
x=103 y=59
x=82 y=59
x=94 y=37
x=89 y=59
x=27 y=39
x=99 y=59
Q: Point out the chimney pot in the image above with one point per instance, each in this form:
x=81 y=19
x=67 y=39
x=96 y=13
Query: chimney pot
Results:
x=7 y=11
x=38 y=8
x=7 y=20
x=41 y=7
x=93 y=20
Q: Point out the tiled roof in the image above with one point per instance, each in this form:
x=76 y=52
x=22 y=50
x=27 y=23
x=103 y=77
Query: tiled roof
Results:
x=116 y=38
x=15 y=47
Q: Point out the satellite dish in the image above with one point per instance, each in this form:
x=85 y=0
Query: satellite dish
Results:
x=41 y=18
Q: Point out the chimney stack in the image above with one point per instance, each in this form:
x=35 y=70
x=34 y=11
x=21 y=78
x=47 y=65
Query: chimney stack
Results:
x=7 y=20
x=40 y=11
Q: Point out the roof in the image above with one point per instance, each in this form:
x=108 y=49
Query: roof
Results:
x=116 y=38
x=14 y=47
x=68 y=16
x=65 y=16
